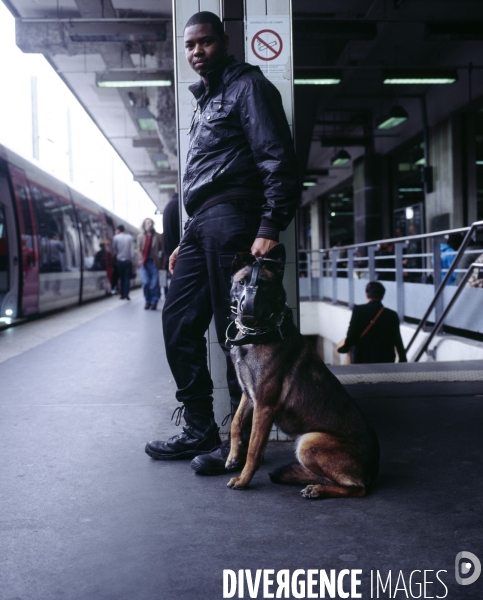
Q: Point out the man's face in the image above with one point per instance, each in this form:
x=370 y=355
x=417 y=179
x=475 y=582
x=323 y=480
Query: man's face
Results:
x=204 y=49
x=148 y=224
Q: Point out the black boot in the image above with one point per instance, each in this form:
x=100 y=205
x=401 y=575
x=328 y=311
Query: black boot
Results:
x=199 y=436
x=214 y=462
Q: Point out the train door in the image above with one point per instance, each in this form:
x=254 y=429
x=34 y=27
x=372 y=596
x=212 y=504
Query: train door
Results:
x=28 y=242
x=9 y=253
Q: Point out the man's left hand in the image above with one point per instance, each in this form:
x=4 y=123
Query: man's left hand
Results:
x=261 y=246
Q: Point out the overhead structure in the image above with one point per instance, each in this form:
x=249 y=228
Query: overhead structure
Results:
x=118 y=61
x=355 y=62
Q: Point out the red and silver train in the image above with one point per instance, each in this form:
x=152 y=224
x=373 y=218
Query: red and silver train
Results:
x=55 y=244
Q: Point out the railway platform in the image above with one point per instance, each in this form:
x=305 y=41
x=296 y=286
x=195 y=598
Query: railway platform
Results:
x=86 y=515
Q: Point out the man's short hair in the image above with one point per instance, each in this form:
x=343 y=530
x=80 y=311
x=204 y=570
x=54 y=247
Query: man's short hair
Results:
x=375 y=290
x=121 y=228
x=204 y=17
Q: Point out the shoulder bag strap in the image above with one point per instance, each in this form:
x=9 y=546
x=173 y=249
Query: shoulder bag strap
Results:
x=371 y=323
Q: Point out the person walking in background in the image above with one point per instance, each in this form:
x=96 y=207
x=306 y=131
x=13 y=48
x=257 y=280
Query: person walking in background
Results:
x=171 y=232
x=448 y=253
x=150 y=244
x=123 y=248
x=373 y=334
x=163 y=270
x=115 y=272
x=171 y=225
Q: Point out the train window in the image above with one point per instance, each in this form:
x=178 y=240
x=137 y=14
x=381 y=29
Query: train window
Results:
x=51 y=231
x=3 y=252
x=93 y=241
x=27 y=237
x=71 y=236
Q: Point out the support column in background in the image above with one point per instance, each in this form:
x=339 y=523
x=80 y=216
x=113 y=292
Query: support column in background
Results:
x=235 y=15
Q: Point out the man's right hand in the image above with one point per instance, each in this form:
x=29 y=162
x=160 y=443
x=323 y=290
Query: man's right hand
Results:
x=172 y=260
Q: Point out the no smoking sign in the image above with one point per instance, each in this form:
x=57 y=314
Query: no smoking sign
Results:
x=267 y=44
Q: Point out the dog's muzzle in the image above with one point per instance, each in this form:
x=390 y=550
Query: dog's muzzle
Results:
x=245 y=308
x=246 y=304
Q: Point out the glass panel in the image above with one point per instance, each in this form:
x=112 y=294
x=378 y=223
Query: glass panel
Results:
x=93 y=242
x=479 y=167
x=3 y=252
x=51 y=231
x=410 y=161
x=340 y=216
x=27 y=236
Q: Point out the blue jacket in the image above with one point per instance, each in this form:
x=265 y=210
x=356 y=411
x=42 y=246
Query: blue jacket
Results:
x=447 y=258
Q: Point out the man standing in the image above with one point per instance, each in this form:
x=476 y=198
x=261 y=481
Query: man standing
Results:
x=150 y=244
x=122 y=246
x=171 y=229
x=373 y=332
x=240 y=189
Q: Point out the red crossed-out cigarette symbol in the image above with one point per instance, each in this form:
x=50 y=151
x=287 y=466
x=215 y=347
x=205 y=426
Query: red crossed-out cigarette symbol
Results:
x=267 y=44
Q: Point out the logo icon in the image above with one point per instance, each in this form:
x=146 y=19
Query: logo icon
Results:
x=462 y=566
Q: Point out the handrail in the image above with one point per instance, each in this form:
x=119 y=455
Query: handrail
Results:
x=330 y=261
x=420 y=236
x=461 y=250
x=440 y=321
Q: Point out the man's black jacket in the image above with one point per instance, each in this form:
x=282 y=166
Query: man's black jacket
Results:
x=377 y=346
x=241 y=146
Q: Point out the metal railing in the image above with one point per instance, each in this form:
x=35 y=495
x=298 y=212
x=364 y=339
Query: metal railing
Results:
x=399 y=263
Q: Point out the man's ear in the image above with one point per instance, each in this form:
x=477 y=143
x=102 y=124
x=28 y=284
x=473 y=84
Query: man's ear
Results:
x=242 y=259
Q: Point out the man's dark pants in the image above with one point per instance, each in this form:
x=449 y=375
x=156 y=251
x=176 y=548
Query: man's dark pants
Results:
x=199 y=290
x=124 y=270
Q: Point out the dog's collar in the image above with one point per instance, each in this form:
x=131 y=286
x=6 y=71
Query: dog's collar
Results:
x=277 y=330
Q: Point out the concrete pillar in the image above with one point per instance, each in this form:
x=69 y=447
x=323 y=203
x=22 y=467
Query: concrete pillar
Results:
x=469 y=152
x=238 y=17
x=444 y=205
x=368 y=219
x=315 y=240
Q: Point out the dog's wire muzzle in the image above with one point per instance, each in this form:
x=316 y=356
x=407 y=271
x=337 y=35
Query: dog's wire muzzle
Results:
x=253 y=335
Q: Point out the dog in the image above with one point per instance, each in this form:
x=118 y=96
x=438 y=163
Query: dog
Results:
x=285 y=382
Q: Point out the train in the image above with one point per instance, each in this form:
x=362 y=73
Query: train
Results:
x=55 y=243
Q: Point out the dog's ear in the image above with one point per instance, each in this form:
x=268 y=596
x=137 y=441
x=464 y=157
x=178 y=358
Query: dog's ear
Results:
x=242 y=259
x=274 y=259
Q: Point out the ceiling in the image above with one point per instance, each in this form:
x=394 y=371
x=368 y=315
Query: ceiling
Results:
x=360 y=39
x=356 y=38
x=86 y=38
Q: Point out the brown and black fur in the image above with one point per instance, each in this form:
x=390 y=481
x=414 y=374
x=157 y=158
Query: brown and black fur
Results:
x=285 y=382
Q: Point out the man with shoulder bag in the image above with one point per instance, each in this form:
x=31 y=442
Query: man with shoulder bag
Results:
x=373 y=335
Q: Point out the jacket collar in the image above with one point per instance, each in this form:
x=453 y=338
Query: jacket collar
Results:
x=375 y=302
x=230 y=69
x=214 y=77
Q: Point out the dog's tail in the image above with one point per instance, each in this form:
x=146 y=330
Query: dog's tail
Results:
x=295 y=474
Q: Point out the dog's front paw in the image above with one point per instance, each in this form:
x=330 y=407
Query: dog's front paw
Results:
x=312 y=492
x=232 y=461
x=237 y=483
